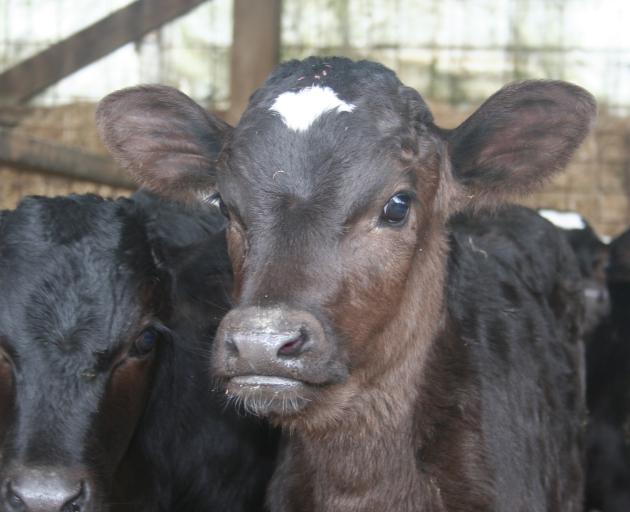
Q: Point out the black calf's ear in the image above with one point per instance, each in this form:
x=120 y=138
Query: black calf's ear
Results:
x=521 y=135
x=163 y=138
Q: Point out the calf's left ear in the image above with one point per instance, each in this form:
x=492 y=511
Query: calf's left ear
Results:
x=520 y=136
x=163 y=138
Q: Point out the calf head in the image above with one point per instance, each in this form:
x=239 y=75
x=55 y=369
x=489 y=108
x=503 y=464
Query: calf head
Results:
x=79 y=336
x=592 y=257
x=618 y=278
x=337 y=184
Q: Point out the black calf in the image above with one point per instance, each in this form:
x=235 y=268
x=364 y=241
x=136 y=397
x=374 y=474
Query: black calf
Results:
x=105 y=399
x=608 y=363
x=592 y=256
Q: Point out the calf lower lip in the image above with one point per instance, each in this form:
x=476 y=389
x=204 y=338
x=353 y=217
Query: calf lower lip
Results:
x=265 y=395
x=264 y=381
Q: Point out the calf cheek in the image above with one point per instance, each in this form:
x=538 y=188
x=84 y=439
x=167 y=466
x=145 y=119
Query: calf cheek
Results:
x=124 y=402
x=376 y=269
x=237 y=247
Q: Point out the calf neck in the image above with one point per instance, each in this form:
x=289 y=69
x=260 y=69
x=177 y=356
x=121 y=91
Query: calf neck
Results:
x=393 y=394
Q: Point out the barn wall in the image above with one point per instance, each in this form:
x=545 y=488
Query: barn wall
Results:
x=17 y=183
x=72 y=125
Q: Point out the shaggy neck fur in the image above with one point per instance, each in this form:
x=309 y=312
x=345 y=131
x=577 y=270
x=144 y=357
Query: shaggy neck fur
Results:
x=366 y=458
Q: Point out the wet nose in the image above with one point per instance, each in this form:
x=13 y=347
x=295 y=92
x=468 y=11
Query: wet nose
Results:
x=269 y=341
x=46 y=490
x=256 y=345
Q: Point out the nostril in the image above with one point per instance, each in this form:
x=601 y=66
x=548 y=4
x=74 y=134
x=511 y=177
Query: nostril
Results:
x=232 y=348
x=293 y=347
x=74 y=504
x=13 y=500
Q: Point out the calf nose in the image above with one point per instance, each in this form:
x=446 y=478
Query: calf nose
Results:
x=270 y=341
x=46 y=490
x=254 y=345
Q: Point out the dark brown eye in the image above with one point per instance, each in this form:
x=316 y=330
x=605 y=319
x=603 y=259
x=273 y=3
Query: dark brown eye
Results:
x=145 y=343
x=396 y=210
x=216 y=200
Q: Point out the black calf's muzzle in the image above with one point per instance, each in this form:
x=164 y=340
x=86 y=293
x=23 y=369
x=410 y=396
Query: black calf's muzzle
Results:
x=46 y=489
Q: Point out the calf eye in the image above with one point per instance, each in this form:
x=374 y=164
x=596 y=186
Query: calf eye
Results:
x=216 y=200
x=145 y=343
x=396 y=209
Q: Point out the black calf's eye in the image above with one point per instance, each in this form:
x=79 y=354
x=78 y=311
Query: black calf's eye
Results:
x=145 y=343
x=396 y=209
x=216 y=200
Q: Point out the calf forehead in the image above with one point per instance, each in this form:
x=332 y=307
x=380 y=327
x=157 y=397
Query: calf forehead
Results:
x=322 y=130
x=69 y=303
x=68 y=294
x=276 y=170
x=331 y=84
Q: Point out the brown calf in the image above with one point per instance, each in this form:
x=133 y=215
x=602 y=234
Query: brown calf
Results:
x=415 y=363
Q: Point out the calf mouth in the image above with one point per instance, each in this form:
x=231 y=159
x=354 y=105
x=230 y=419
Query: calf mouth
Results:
x=270 y=396
x=275 y=361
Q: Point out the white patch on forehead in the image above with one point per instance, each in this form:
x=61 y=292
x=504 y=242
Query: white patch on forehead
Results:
x=564 y=220
x=300 y=109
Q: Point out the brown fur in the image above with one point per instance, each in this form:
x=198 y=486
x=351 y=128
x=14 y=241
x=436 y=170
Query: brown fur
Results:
x=402 y=428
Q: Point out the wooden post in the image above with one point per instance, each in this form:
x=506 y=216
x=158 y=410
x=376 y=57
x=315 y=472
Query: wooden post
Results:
x=31 y=76
x=255 y=49
x=23 y=151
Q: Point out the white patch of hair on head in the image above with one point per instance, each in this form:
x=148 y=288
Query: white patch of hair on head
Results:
x=564 y=220
x=299 y=110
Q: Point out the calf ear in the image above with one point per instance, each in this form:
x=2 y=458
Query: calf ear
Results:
x=521 y=135
x=163 y=138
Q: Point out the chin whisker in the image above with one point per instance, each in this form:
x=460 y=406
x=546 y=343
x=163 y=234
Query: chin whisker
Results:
x=263 y=404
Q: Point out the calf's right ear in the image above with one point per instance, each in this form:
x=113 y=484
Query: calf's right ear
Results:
x=519 y=137
x=165 y=140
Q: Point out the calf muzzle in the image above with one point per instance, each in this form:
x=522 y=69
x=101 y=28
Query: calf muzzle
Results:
x=274 y=359
x=46 y=489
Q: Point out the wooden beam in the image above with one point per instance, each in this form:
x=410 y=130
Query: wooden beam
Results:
x=33 y=75
x=255 y=49
x=26 y=152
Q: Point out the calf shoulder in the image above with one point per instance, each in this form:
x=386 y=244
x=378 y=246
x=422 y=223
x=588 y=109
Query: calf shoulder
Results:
x=513 y=330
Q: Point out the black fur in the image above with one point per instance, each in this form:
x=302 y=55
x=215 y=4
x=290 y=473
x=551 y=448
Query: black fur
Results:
x=513 y=295
x=592 y=257
x=80 y=275
x=608 y=365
